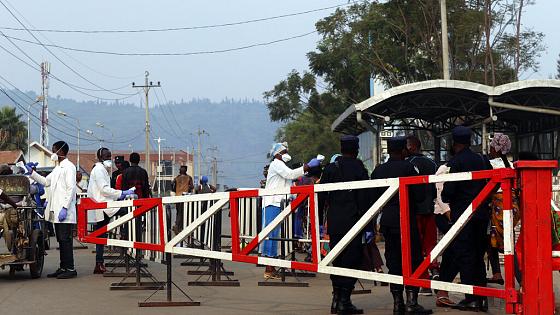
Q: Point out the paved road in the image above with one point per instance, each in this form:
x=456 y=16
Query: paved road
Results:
x=90 y=294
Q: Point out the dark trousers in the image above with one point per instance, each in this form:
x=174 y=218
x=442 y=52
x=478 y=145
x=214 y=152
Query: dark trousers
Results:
x=350 y=257
x=99 y=249
x=448 y=268
x=393 y=251
x=180 y=215
x=65 y=242
x=469 y=249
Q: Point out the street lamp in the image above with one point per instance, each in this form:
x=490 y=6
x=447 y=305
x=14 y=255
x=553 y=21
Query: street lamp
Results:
x=89 y=132
x=39 y=99
x=101 y=125
x=61 y=113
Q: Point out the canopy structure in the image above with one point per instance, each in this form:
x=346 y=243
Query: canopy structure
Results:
x=527 y=110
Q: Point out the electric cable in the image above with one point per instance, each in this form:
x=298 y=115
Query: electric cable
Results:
x=186 y=53
x=54 y=55
x=184 y=28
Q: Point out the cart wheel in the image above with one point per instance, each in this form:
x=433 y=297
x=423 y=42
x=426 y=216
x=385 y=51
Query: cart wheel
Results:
x=37 y=254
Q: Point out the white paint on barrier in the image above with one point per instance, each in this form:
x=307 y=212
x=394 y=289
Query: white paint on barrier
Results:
x=360 y=274
x=452 y=177
x=275 y=262
x=508 y=232
x=451 y=287
x=201 y=253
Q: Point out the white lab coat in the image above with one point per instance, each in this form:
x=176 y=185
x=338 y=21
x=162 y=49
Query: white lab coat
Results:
x=279 y=176
x=61 y=187
x=99 y=189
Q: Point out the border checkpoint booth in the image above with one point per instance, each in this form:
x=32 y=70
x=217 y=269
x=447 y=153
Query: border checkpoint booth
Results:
x=528 y=111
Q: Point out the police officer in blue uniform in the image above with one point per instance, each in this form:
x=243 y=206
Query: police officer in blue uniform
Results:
x=470 y=245
x=397 y=166
x=345 y=208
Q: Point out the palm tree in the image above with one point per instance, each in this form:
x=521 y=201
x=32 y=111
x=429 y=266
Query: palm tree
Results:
x=13 y=131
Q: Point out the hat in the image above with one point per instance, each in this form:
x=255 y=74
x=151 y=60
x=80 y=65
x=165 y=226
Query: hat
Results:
x=501 y=143
x=204 y=179
x=278 y=147
x=462 y=134
x=349 y=143
x=396 y=144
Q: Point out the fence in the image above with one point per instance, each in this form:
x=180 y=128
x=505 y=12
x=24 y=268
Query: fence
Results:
x=533 y=178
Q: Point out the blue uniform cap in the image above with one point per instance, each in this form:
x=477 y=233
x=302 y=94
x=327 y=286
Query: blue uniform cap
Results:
x=461 y=134
x=349 y=144
x=204 y=179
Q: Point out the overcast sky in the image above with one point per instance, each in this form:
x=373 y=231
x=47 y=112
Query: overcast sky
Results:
x=239 y=74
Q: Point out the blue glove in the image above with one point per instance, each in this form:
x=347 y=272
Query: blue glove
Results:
x=62 y=214
x=126 y=193
x=29 y=167
x=314 y=163
x=369 y=237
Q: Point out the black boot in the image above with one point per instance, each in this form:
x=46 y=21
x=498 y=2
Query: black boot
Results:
x=335 y=299
x=398 y=301
x=412 y=306
x=345 y=305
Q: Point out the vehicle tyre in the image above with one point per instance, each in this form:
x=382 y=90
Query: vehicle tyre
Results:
x=37 y=254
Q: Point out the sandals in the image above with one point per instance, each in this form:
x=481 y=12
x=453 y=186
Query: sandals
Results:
x=444 y=301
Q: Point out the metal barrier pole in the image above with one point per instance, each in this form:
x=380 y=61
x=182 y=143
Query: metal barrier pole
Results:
x=537 y=294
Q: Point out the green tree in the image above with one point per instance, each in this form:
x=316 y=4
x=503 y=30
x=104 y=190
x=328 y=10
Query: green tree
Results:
x=399 y=42
x=13 y=131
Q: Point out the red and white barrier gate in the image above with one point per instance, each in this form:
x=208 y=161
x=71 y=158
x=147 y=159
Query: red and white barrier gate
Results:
x=534 y=179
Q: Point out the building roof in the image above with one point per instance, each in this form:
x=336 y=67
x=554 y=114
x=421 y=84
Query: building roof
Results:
x=88 y=158
x=440 y=104
x=11 y=157
x=40 y=147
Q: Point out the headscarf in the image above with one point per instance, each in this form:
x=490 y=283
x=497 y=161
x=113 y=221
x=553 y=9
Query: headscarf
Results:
x=278 y=147
x=501 y=143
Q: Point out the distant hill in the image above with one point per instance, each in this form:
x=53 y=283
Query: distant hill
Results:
x=240 y=129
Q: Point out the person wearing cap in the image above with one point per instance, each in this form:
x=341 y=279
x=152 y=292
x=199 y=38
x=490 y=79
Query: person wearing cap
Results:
x=470 y=245
x=397 y=166
x=345 y=208
x=424 y=209
x=279 y=176
x=119 y=164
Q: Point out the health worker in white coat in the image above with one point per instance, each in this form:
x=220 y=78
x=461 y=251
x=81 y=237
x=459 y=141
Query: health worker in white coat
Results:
x=99 y=189
x=279 y=176
x=61 y=206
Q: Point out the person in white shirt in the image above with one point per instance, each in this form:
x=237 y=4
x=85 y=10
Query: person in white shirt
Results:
x=99 y=189
x=279 y=176
x=61 y=206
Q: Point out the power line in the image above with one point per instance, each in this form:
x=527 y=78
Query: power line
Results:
x=184 y=28
x=71 y=86
x=54 y=55
x=63 y=123
x=187 y=53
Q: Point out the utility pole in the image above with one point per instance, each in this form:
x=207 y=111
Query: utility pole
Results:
x=200 y=132
x=45 y=71
x=444 y=39
x=147 y=85
x=214 y=167
x=159 y=169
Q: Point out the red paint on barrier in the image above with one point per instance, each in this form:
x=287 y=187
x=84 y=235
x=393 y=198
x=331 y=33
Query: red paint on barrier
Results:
x=304 y=266
x=245 y=259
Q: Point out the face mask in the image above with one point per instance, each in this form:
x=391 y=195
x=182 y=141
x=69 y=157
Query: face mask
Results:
x=54 y=157
x=108 y=163
x=286 y=158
